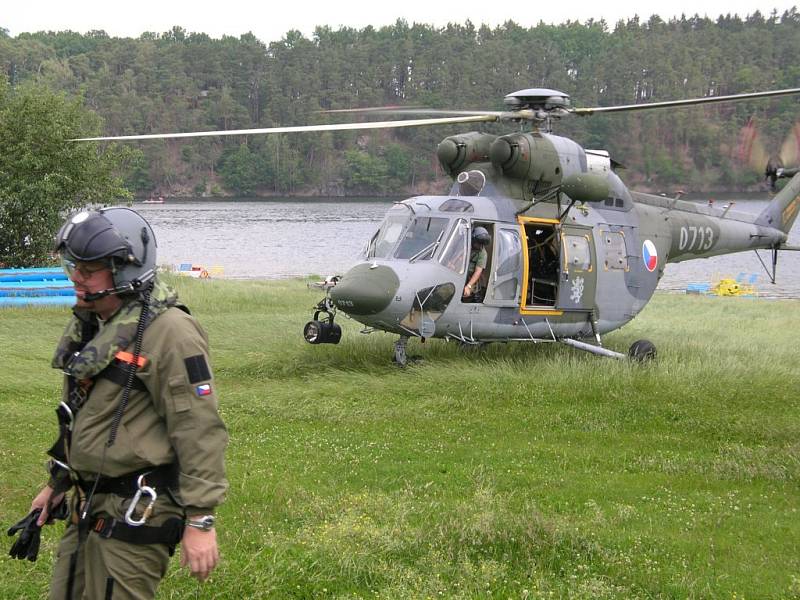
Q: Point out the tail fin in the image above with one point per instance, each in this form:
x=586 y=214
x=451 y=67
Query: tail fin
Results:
x=784 y=208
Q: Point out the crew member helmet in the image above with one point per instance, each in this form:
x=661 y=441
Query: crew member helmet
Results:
x=481 y=236
x=119 y=235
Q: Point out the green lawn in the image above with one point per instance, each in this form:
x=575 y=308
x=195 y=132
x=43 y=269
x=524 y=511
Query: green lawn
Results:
x=512 y=472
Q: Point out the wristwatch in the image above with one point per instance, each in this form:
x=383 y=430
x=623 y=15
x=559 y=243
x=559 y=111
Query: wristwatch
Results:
x=204 y=523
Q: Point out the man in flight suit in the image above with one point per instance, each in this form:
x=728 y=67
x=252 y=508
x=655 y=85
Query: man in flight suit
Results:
x=477 y=263
x=138 y=420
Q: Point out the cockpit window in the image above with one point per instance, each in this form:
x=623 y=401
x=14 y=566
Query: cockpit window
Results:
x=385 y=239
x=454 y=255
x=422 y=238
x=456 y=205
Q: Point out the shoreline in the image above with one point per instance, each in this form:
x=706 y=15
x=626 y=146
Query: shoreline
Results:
x=718 y=196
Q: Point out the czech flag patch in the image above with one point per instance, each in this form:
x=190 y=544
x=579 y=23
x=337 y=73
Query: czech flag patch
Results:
x=203 y=390
x=649 y=255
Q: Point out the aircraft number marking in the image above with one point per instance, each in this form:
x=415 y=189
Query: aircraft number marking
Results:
x=695 y=239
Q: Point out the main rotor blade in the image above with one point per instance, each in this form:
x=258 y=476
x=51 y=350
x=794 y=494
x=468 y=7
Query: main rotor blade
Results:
x=297 y=129
x=389 y=110
x=676 y=103
x=369 y=109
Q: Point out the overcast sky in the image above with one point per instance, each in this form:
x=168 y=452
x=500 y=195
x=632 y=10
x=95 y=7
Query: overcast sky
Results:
x=270 y=23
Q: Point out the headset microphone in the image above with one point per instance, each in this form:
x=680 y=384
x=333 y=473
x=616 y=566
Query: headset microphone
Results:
x=96 y=296
x=103 y=293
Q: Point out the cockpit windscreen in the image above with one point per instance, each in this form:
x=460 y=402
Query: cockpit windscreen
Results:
x=422 y=238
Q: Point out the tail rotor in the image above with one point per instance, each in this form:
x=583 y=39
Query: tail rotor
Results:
x=752 y=151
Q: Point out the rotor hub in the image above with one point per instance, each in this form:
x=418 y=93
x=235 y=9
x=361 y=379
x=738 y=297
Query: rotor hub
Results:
x=539 y=100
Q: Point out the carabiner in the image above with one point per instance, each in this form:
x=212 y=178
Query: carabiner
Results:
x=70 y=418
x=143 y=489
x=60 y=465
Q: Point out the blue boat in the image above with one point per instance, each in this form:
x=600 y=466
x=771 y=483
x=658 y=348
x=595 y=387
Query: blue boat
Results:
x=6 y=292
x=36 y=274
x=37 y=301
x=39 y=286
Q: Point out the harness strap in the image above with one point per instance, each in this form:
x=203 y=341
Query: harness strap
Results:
x=169 y=533
x=117 y=372
x=162 y=476
x=73 y=566
x=77 y=392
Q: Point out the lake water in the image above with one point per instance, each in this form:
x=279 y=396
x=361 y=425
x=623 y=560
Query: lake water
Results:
x=288 y=238
x=264 y=239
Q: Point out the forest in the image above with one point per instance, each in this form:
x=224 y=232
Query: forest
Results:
x=186 y=81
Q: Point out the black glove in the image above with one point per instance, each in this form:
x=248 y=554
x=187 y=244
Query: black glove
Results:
x=27 y=545
x=59 y=512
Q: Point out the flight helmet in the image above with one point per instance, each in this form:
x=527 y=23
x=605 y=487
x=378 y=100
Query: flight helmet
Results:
x=117 y=235
x=481 y=236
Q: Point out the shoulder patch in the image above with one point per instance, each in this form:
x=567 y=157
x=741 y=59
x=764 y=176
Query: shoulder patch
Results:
x=197 y=368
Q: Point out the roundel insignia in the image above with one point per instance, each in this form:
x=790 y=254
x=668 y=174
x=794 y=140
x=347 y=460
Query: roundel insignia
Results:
x=649 y=255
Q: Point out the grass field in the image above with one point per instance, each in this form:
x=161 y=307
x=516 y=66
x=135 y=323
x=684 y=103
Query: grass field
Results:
x=512 y=472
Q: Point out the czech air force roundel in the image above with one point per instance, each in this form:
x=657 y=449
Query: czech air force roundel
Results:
x=650 y=255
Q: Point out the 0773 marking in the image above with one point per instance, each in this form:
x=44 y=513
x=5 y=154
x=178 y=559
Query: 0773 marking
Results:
x=696 y=238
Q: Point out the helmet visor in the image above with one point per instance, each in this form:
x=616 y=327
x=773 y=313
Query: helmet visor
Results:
x=90 y=236
x=72 y=266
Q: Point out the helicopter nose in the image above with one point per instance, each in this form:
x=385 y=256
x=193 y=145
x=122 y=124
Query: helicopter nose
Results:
x=366 y=289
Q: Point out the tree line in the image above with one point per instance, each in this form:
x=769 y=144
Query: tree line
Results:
x=188 y=81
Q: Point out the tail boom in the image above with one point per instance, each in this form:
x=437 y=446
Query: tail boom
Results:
x=784 y=208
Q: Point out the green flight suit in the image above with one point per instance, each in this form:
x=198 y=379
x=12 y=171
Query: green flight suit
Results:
x=478 y=257
x=175 y=420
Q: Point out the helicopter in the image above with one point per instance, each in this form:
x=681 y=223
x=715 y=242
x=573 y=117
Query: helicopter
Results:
x=574 y=253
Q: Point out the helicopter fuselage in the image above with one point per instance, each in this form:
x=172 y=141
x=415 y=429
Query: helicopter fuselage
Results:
x=556 y=269
x=596 y=283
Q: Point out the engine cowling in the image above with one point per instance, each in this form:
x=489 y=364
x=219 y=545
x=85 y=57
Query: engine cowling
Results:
x=527 y=156
x=457 y=151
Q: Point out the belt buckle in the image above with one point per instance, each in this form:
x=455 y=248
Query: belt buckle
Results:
x=103 y=528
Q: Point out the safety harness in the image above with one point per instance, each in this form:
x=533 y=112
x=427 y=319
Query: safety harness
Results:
x=163 y=477
x=170 y=532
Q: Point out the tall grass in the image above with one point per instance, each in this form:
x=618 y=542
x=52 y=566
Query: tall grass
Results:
x=515 y=471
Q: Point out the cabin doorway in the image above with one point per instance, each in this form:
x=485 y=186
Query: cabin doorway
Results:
x=543 y=254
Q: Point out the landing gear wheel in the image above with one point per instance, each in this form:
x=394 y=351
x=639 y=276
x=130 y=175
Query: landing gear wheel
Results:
x=642 y=351
x=400 y=358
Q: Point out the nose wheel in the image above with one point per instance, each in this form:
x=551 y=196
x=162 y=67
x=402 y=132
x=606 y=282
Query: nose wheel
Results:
x=400 y=356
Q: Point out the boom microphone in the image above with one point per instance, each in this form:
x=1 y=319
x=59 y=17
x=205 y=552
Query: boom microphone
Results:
x=107 y=292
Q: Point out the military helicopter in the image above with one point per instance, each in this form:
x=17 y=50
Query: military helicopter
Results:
x=574 y=253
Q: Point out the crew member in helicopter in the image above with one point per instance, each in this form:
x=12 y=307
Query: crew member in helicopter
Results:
x=478 y=257
x=141 y=440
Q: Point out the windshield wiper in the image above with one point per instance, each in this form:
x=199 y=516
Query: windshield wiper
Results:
x=429 y=248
